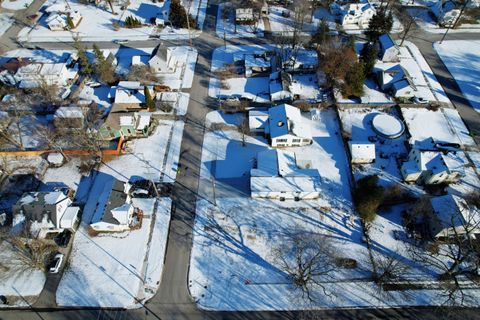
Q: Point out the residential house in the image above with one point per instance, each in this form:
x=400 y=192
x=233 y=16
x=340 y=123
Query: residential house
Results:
x=452 y=215
x=396 y=80
x=162 y=60
x=448 y=11
x=353 y=13
x=58 y=16
x=432 y=167
x=70 y=117
x=34 y=74
x=118 y=213
x=48 y=212
x=362 y=152
x=280 y=85
x=162 y=17
x=129 y=95
x=299 y=61
x=10 y=68
x=287 y=128
x=127 y=125
x=388 y=49
x=254 y=63
x=110 y=57
x=284 y=175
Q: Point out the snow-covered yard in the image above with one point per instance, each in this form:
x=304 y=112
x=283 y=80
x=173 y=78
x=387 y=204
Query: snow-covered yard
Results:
x=356 y=123
x=97 y=22
x=227 y=29
x=462 y=59
x=116 y=270
x=16 y=4
x=255 y=88
x=20 y=283
x=444 y=125
x=6 y=21
x=150 y=158
x=426 y=20
x=222 y=56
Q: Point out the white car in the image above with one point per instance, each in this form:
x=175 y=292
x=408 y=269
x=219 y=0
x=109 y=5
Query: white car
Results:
x=57 y=263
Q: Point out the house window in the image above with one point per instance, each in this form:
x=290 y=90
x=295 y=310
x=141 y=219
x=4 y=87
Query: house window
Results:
x=306 y=140
x=296 y=140
x=282 y=140
x=129 y=131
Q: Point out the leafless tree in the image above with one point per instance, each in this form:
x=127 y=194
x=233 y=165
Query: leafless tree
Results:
x=456 y=255
x=307 y=259
x=244 y=129
x=386 y=270
x=144 y=74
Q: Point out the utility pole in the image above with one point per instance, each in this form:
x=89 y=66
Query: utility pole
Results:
x=454 y=24
x=188 y=24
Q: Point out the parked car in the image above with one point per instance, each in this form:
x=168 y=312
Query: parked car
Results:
x=63 y=238
x=56 y=263
x=120 y=41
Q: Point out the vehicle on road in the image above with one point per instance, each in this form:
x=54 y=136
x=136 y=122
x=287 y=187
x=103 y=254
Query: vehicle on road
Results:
x=56 y=263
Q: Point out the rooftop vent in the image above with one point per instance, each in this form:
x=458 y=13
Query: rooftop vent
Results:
x=280 y=123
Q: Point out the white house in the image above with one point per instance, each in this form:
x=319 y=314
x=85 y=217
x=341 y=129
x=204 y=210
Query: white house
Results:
x=283 y=175
x=254 y=63
x=353 y=13
x=452 y=215
x=54 y=74
x=162 y=60
x=287 y=128
x=446 y=12
x=397 y=81
x=58 y=16
x=243 y=15
x=362 y=151
x=388 y=49
x=48 y=212
x=280 y=86
x=118 y=213
x=432 y=167
x=69 y=117
x=129 y=95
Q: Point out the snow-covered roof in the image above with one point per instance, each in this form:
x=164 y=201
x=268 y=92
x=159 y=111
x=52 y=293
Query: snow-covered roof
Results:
x=286 y=119
x=437 y=162
x=387 y=125
x=362 y=150
x=131 y=96
x=69 y=112
x=127 y=121
x=454 y=211
x=52 y=197
x=55 y=158
x=284 y=184
x=267 y=164
x=258 y=119
x=386 y=41
x=143 y=120
x=121 y=214
x=69 y=217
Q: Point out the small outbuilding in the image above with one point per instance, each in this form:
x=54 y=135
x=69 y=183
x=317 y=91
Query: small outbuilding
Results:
x=362 y=152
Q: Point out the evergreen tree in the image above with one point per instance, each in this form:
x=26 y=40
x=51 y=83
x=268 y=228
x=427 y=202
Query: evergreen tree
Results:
x=132 y=22
x=149 y=103
x=322 y=35
x=351 y=43
x=354 y=80
x=178 y=16
x=85 y=66
x=380 y=23
x=368 y=56
x=103 y=68
x=70 y=23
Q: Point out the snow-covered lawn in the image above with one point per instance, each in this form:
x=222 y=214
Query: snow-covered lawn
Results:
x=373 y=94
x=425 y=20
x=18 y=281
x=222 y=56
x=444 y=125
x=68 y=175
x=356 y=124
x=462 y=59
x=218 y=117
x=16 y=4
x=226 y=28
x=6 y=21
x=146 y=157
x=255 y=88
x=97 y=23
x=113 y=270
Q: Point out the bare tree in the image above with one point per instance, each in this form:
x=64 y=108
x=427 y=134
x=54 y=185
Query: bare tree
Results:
x=144 y=74
x=455 y=256
x=307 y=259
x=386 y=270
x=244 y=129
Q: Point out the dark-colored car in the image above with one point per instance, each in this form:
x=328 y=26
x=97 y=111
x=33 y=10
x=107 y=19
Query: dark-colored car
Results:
x=63 y=238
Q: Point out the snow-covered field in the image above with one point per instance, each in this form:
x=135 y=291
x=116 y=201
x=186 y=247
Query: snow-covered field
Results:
x=462 y=59
x=226 y=28
x=148 y=157
x=112 y=270
x=17 y=280
x=97 y=23
x=444 y=125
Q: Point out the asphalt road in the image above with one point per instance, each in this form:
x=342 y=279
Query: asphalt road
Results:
x=173 y=300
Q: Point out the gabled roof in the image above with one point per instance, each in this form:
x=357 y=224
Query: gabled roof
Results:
x=386 y=41
x=116 y=199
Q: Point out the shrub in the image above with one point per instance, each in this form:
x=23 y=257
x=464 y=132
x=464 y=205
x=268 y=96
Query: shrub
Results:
x=132 y=22
x=178 y=16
